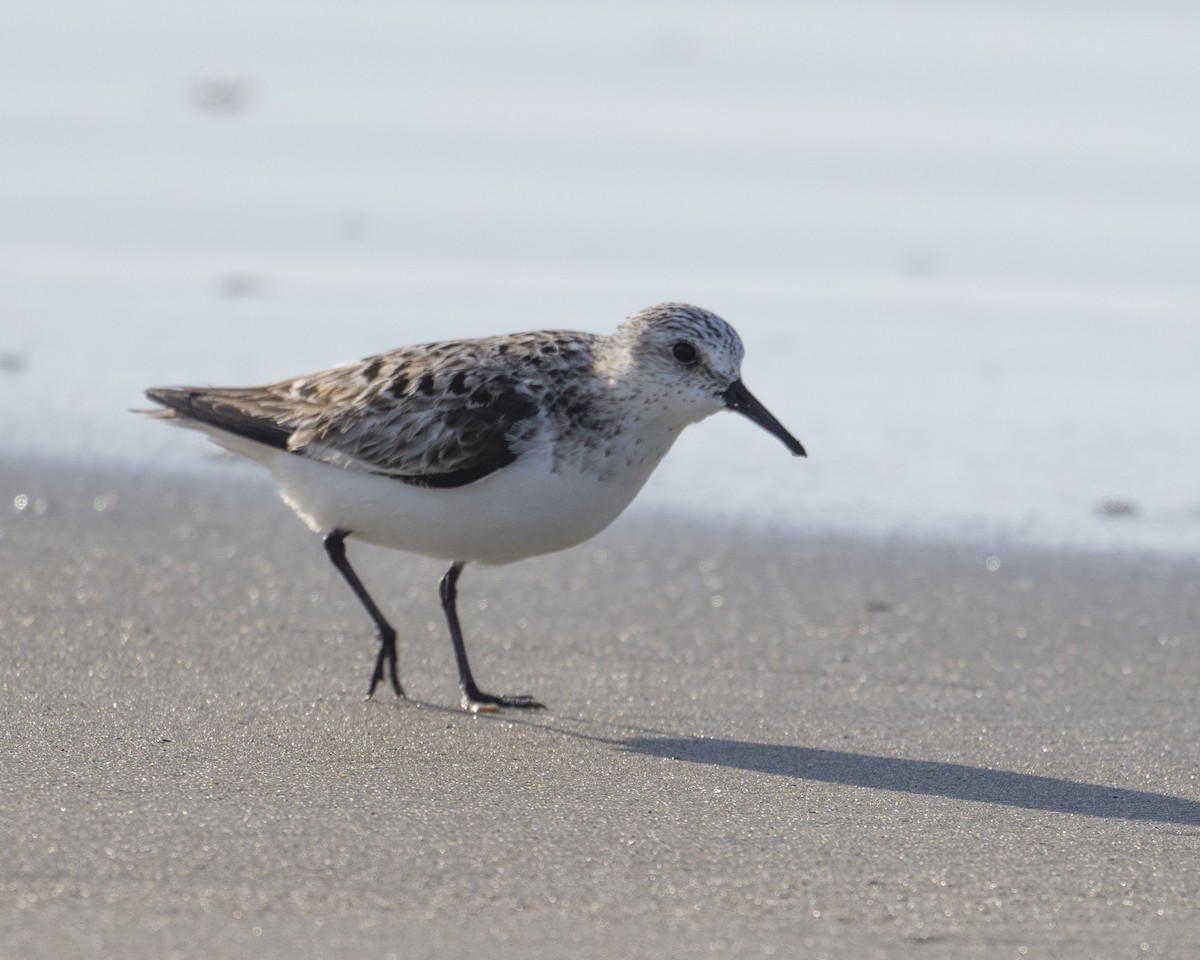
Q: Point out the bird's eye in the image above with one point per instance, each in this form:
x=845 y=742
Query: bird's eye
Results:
x=685 y=352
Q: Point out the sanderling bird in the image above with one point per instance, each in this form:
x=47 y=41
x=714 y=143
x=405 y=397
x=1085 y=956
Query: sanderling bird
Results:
x=488 y=450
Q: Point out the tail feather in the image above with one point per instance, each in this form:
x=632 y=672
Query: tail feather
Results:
x=210 y=408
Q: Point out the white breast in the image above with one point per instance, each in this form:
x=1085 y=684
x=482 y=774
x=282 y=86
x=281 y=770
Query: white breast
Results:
x=522 y=510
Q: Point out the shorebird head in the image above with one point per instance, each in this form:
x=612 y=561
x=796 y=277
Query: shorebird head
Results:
x=694 y=359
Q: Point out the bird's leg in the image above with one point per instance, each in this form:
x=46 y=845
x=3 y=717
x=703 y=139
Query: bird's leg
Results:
x=473 y=699
x=335 y=546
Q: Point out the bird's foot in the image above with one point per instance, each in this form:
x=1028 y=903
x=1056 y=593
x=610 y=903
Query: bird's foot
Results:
x=386 y=660
x=400 y=694
x=476 y=701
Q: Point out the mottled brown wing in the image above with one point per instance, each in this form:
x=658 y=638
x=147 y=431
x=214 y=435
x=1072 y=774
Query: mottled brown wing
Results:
x=439 y=416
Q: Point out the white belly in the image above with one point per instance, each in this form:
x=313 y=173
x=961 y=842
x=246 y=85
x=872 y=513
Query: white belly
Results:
x=520 y=511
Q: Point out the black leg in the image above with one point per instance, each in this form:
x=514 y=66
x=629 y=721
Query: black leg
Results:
x=473 y=699
x=335 y=546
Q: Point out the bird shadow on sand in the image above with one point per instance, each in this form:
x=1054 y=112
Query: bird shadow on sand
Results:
x=954 y=781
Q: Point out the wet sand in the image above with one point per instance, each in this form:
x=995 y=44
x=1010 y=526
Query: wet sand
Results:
x=757 y=745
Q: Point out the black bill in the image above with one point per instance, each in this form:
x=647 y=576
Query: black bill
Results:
x=738 y=398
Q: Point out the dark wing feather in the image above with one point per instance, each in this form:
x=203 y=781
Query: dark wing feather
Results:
x=208 y=407
x=443 y=415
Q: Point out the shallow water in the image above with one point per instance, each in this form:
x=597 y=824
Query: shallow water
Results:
x=960 y=247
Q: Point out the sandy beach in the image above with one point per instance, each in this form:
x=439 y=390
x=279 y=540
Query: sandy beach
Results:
x=756 y=745
x=818 y=709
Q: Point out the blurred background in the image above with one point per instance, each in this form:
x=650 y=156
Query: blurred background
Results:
x=961 y=241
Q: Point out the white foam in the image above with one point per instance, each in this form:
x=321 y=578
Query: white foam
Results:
x=960 y=246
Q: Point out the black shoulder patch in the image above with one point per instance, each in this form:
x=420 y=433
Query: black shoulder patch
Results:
x=371 y=370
